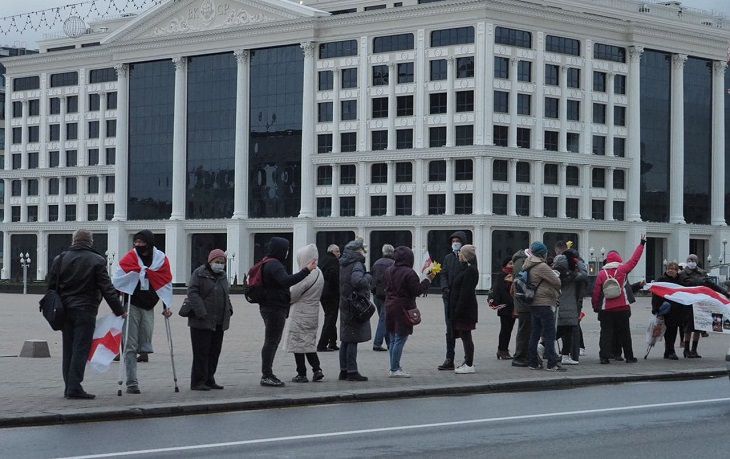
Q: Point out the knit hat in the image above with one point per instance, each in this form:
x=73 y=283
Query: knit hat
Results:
x=614 y=257
x=538 y=249
x=469 y=252
x=692 y=257
x=215 y=253
x=356 y=244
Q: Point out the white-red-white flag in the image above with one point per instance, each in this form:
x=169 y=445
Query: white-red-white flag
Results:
x=426 y=261
x=711 y=310
x=106 y=343
x=131 y=271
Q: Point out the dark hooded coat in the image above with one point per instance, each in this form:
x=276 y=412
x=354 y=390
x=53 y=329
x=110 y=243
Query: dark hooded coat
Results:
x=145 y=299
x=451 y=267
x=276 y=280
x=402 y=286
x=353 y=278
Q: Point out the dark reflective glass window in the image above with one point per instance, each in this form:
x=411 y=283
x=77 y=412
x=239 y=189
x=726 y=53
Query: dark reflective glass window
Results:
x=380 y=75
x=55 y=105
x=599 y=178
x=609 y=53
x=111 y=156
x=463 y=204
x=325 y=80
x=524 y=102
x=599 y=81
x=436 y=204
x=463 y=169
x=15 y=214
x=598 y=209
x=93 y=130
x=439 y=69
x=464 y=135
x=599 y=144
x=573 y=110
x=64 y=79
x=349 y=78
x=324 y=143
x=523 y=137
x=111 y=100
x=571 y=207
x=18 y=135
x=572 y=176
x=522 y=205
x=72 y=131
x=457 y=36
x=348 y=174
x=465 y=101
x=202 y=243
x=111 y=128
x=437 y=136
x=324 y=207
x=551 y=140
x=276 y=131
x=380 y=107
x=102 y=75
x=92 y=184
x=25 y=243
x=524 y=71
x=324 y=112
x=619 y=179
x=552 y=107
x=348 y=142
x=619 y=212
x=71 y=158
x=151 y=109
x=573 y=145
x=17 y=160
x=552 y=75
x=378 y=205
x=499 y=204
x=404 y=105
x=92 y=212
x=34 y=107
x=379 y=140
x=437 y=171
x=501 y=68
x=697 y=140
x=53 y=186
x=94 y=103
x=108 y=211
x=348 y=110
x=499 y=170
x=26 y=83
x=33 y=160
x=550 y=206
x=403 y=172
x=504 y=244
x=392 y=43
x=93 y=156
x=324 y=175
x=513 y=37
x=72 y=104
x=501 y=102
x=619 y=147
x=338 y=49
x=53 y=213
x=573 y=78
x=53 y=158
x=54 y=132
x=562 y=45
x=17 y=109
x=404 y=138
x=655 y=135
x=599 y=113
x=347 y=206
x=437 y=103
x=16 y=187
x=405 y=72
x=523 y=172
x=619 y=84
x=465 y=67
x=499 y=134
x=619 y=115
x=33 y=132
x=70 y=185
x=550 y=176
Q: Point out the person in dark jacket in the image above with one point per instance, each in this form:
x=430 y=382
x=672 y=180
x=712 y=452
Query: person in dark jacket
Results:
x=451 y=268
x=463 y=308
x=330 y=267
x=524 y=319
x=573 y=278
x=211 y=315
x=353 y=280
x=80 y=276
x=502 y=300
x=274 y=308
x=675 y=318
x=402 y=288
x=378 y=272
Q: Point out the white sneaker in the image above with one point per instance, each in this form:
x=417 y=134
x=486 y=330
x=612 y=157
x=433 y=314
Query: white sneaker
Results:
x=568 y=361
x=582 y=351
x=465 y=369
x=398 y=374
x=540 y=350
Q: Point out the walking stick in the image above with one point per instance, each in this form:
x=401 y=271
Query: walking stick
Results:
x=172 y=354
x=123 y=349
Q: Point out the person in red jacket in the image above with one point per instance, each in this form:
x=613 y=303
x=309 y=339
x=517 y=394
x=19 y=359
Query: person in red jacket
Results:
x=614 y=313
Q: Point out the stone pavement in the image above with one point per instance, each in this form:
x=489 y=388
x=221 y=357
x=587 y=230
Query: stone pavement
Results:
x=32 y=389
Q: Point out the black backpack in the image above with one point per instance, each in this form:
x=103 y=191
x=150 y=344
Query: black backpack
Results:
x=524 y=290
x=253 y=282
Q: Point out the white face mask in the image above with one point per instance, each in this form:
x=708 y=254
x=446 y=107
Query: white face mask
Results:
x=217 y=267
x=691 y=265
x=456 y=246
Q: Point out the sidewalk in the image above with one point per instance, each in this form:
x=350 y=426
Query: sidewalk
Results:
x=32 y=389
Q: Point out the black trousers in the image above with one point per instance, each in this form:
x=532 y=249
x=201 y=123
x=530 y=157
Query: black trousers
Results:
x=274 y=321
x=312 y=358
x=78 y=333
x=507 y=324
x=570 y=335
x=524 y=329
x=328 y=337
x=468 y=342
x=207 y=346
x=615 y=334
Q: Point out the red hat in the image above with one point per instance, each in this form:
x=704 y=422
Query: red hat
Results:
x=215 y=253
x=613 y=257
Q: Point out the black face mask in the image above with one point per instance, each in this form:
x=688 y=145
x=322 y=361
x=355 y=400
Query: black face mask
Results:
x=141 y=251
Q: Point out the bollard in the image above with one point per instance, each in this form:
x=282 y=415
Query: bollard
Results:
x=35 y=348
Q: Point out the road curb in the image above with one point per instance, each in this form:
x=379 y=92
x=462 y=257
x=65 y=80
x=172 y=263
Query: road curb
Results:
x=203 y=407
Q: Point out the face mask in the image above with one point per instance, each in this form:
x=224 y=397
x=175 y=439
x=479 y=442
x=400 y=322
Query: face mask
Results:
x=691 y=265
x=507 y=270
x=217 y=267
x=456 y=246
x=140 y=250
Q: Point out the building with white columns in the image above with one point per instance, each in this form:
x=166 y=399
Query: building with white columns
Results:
x=219 y=123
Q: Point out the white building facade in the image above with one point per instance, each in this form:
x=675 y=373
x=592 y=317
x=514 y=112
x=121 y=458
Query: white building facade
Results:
x=219 y=123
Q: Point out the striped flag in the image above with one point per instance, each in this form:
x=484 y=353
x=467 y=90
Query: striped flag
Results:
x=131 y=271
x=711 y=310
x=106 y=342
x=426 y=261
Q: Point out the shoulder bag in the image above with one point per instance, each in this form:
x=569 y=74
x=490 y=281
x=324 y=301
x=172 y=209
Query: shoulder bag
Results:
x=51 y=305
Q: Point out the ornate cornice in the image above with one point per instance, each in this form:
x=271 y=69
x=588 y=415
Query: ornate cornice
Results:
x=242 y=56
x=122 y=71
x=308 y=47
x=678 y=61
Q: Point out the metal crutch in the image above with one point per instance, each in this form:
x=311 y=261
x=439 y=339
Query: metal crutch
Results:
x=172 y=354
x=123 y=349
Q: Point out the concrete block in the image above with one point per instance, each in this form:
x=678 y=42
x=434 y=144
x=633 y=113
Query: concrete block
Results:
x=35 y=348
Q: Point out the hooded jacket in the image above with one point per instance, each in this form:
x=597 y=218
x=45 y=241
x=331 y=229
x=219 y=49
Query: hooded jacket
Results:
x=402 y=286
x=571 y=286
x=145 y=299
x=463 y=307
x=620 y=271
x=378 y=271
x=353 y=279
x=304 y=313
x=451 y=267
x=518 y=260
x=276 y=280
x=548 y=291
x=208 y=294
x=330 y=267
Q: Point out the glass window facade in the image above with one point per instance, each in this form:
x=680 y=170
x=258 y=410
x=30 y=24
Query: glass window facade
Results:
x=697 y=140
x=562 y=45
x=513 y=37
x=390 y=43
x=338 y=49
x=457 y=36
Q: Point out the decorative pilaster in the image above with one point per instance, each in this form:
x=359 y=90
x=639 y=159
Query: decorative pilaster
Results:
x=7 y=259
x=513 y=102
x=179 y=139
x=307 y=199
x=676 y=160
x=363 y=203
x=390 y=202
x=43 y=193
x=486 y=188
x=478 y=189
x=335 y=190
x=480 y=87
x=562 y=182
x=450 y=186
x=539 y=96
x=101 y=214
x=121 y=168
x=585 y=200
x=337 y=113
x=634 y=134
x=718 y=143
x=563 y=108
x=363 y=81
x=538 y=179
x=610 y=114
x=392 y=107
x=512 y=196
x=419 y=198
x=450 y=101
x=609 y=194
x=241 y=148
x=419 y=103
x=587 y=111
x=8 y=161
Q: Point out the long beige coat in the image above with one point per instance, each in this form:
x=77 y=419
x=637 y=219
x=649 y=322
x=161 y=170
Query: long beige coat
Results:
x=303 y=320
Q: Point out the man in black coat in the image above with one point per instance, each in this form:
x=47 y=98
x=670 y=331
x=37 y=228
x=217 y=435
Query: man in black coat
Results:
x=451 y=267
x=79 y=275
x=330 y=299
x=274 y=308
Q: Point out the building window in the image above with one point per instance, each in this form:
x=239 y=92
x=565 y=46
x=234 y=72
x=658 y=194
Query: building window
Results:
x=325 y=80
x=348 y=174
x=379 y=140
x=404 y=205
x=464 y=135
x=378 y=205
x=571 y=207
x=599 y=113
x=70 y=185
x=456 y=36
x=392 y=43
x=17 y=109
x=619 y=116
x=92 y=184
x=53 y=186
x=379 y=173
x=33 y=160
x=348 y=142
x=34 y=107
x=562 y=45
x=16 y=187
x=324 y=143
x=619 y=210
x=92 y=212
x=55 y=105
x=573 y=110
x=26 y=83
x=405 y=72
x=437 y=136
x=437 y=171
x=338 y=49
x=33 y=132
x=439 y=69
x=436 y=204
x=348 y=110
x=619 y=147
x=524 y=103
x=324 y=112
x=404 y=105
x=523 y=137
x=523 y=172
x=347 y=206
x=93 y=129
x=599 y=145
x=109 y=184
x=499 y=170
x=463 y=204
x=524 y=71
x=552 y=75
x=111 y=156
x=522 y=205
x=380 y=107
x=463 y=169
x=552 y=109
x=619 y=84
x=64 y=79
x=349 y=78
x=71 y=158
x=465 y=101
x=501 y=102
x=438 y=103
x=70 y=212
x=53 y=213
x=551 y=140
x=499 y=204
x=513 y=37
x=599 y=81
x=18 y=135
x=324 y=207
x=111 y=100
x=93 y=156
x=500 y=135
x=599 y=178
x=111 y=128
x=72 y=104
x=572 y=176
x=465 y=67
x=550 y=206
x=573 y=78
x=573 y=142
x=108 y=211
x=403 y=172
x=404 y=138
x=380 y=75
x=53 y=158
x=550 y=176
x=94 y=103
x=324 y=175
x=619 y=179
x=501 y=68
x=17 y=160
x=54 y=132
x=609 y=53
x=72 y=131
x=15 y=213
x=598 y=209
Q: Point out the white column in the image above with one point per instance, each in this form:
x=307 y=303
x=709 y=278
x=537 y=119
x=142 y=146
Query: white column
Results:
x=450 y=186
x=24 y=136
x=102 y=123
x=676 y=159
x=82 y=157
x=718 y=143
x=488 y=98
x=363 y=205
x=308 y=106
x=585 y=201
x=41 y=258
x=478 y=185
x=43 y=198
x=538 y=78
x=392 y=107
x=512 y=180
x=563 y=109
x=62 y=134
x=179 y=139
x=562 y=182
x=61 y=199
x=419 y=103
x=479 y=87
x=121 y=167
x=486 y=188
x=587 y=111
x=634 y=135
x=240 y=193
x=24 y=200
x=513 y=102
x=7 y=259
x=610 y=114
x=362 y=103
x=101 y=214
x=336 y=111
x=176 y=249
x=7 y=187
x=609 y=194
x=390 y=203
x=419 y=206
x=8 y=159
x=335 y=190
x=43 y=127
x=538 y=179
x=450 y=101
x=81 y=191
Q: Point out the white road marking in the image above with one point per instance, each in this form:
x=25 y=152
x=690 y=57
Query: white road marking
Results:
x=397 y=428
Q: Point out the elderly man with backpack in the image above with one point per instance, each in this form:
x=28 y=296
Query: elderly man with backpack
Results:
x=612 y=305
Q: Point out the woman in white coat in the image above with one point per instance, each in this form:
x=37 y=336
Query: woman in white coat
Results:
x=304 y=317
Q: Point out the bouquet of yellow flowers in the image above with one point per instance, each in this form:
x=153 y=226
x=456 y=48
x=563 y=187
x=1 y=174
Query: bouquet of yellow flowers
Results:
x=434 y=268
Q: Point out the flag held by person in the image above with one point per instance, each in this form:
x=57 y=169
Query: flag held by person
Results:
x=158 y=275
x=106 y=342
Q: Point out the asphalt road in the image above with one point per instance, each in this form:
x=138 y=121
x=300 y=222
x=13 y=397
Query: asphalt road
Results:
x=642 y=420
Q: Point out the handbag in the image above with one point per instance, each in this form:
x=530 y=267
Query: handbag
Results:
x=51 y=305
x=186 y=310
x=413 y=316
x=362 y=308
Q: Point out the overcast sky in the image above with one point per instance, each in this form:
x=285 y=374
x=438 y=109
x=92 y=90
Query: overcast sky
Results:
x=29 y=39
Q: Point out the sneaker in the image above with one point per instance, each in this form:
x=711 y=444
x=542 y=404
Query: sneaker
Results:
x=300 y=379
x=133 y=390
x=582 y=351
x=447 y=365
x=356 y=377
x=567 y=360
x=143 y=357
x=465 y=370
x=80 y=396
x=555 y=367
x=519 y=363
x=398 y=374
x=540 y=350
x=379 y=349
x=271 y=381
x=535 y=367
x=317 y=375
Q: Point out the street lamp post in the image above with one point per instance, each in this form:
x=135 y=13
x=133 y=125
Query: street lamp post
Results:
x=592 y=266
x=724 y=243
x=109 y=260
x=25 y=263
x=231 y=257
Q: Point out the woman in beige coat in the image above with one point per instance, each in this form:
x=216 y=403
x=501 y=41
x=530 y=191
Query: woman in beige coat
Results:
x=304 y=317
